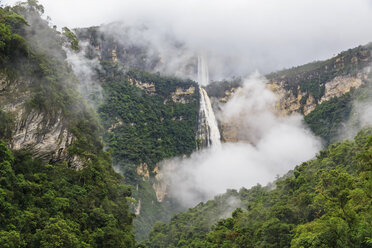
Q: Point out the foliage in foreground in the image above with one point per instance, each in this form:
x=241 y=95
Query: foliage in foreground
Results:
x=52 y=205
x=44 y=205
x=325 y=202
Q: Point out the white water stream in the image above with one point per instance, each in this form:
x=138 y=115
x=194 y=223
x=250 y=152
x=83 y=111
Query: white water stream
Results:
x=208 y=128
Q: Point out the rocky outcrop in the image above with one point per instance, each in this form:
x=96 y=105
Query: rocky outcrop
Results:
x=159 y=185
x=182 y=95
x=118 y=123
x=143 y=170
x=229 y=132
x=45 y=134
x=149 y=88
x=114 y=55
x=289 y=102
x=137 y=209
x=228 y=94
x=309 y=105
x=341 y=85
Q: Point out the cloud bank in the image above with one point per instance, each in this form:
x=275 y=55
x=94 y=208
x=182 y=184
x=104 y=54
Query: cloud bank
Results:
x=86 y=71
x=278 y=144
x=240 y=36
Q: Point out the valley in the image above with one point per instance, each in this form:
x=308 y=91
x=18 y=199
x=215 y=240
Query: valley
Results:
x=108 y=139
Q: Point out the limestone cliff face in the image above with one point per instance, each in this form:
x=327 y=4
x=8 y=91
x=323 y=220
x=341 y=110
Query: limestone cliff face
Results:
x=289 y=102
x=159 y=185
x=143 y=170
x=45 y=134
x=341 y=85
x=182 y=95
x=157 y=181
x=149 y=88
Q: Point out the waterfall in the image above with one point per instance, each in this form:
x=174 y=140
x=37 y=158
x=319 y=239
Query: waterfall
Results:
x=203 y=74
x=208 y=131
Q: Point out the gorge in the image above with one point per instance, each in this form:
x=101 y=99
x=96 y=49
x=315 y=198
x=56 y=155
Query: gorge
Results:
x=127 y=135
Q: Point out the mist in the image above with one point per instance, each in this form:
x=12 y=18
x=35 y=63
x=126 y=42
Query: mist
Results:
x=361 y=110
x=277 y=145
x=86 y=71
x=238 y=36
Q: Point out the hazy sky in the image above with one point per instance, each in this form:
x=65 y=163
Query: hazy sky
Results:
x=259 y=34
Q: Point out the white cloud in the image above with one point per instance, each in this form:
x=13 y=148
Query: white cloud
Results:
x=255 y=34
x=278 y=144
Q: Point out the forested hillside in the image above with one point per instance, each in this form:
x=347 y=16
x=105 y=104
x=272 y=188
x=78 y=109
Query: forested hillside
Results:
x=325 y=202
x=328 y=93
x=313 y=76
x=70 y=197
x=78 y=172
x=147 y=119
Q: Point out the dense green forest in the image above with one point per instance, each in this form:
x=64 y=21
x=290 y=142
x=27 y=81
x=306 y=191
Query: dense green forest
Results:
x=146 y=128
x=326 y=120
x=45 y=205
x=333 y=117
x=325 y=202
x=53 y=205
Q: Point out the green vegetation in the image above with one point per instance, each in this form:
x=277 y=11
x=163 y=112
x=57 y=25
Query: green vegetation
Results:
x=325 y=202
x=145 y=126
x=45 y=205
x=53 y=205
x=71 y=38
x=326 y=120
x=312 y=77
x=12 y=45
x=6 y=125
x=218 y=89
x=330 y=118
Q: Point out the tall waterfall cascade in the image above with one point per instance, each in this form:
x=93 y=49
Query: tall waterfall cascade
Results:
x=208 y=132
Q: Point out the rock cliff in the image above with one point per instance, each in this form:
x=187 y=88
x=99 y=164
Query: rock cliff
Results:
x=44 y=133
x=301 y=89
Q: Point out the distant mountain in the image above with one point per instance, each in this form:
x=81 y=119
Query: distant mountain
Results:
x=325 y=92
x=147 y=116
x=75 y=105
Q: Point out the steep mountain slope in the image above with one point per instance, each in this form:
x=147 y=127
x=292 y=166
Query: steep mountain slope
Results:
x=140 y=139
x=303 y=88
x=316 y=90
x=57 y=185
x=147 y=119
x=139 y=47
x=325 y=202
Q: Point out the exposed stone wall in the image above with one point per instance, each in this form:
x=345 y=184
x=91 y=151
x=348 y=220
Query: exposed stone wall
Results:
x=289 y=102
x=181 y=95
x=46 y=135
x=341 y=85
x=149 y=88
x=159 y=185
x=143 y=170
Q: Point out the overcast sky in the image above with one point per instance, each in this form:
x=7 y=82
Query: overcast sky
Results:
x=257 y=34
